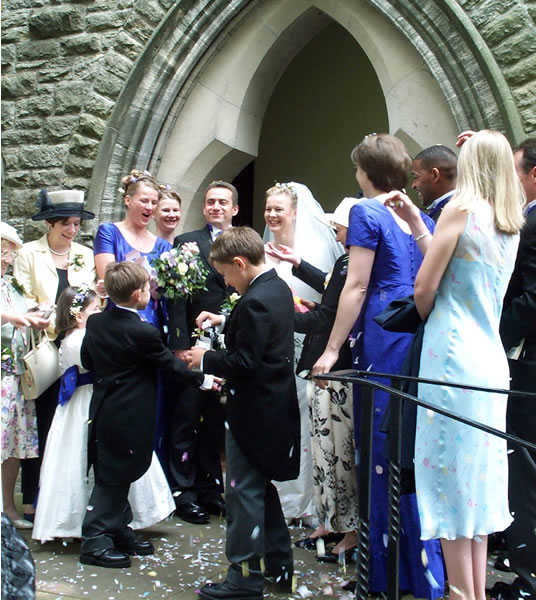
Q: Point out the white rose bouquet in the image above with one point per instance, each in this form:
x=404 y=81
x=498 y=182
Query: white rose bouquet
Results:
x=180 y=272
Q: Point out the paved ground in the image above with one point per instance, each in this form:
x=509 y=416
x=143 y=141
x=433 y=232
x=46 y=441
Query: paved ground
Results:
x=186 y=557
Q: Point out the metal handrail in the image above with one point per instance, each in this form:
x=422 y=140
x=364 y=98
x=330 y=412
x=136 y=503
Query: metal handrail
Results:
x=394 y=485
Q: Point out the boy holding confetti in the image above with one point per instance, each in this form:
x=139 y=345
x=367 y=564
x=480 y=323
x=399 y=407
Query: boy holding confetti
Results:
x=262 y=438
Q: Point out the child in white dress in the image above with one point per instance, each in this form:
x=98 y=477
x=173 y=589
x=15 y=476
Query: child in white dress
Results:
x=64 y=487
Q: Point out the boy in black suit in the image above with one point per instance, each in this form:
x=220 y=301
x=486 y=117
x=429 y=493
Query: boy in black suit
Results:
x=262 y=439
x=124 y=353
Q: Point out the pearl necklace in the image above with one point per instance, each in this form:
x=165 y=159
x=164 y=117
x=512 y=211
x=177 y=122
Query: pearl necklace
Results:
x=59 y=253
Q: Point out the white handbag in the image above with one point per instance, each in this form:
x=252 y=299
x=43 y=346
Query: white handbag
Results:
x=42 y=366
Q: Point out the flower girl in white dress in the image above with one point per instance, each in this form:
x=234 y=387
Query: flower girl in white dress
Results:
x=64 y=487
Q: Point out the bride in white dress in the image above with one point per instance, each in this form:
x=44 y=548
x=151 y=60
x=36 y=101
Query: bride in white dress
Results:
x=291 y=220
x=64 y=487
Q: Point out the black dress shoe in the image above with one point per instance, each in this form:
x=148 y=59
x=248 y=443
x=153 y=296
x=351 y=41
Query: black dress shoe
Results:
x=192 y=512
x=141 y=547
x=309 y=543
x=216 y=507
x=331 y=557
x=110 y=558
x=502 y=563
x=228 y=591
x=508 y=591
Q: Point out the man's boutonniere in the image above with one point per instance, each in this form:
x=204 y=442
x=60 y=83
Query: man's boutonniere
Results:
x=78 y=262
x=229 y=303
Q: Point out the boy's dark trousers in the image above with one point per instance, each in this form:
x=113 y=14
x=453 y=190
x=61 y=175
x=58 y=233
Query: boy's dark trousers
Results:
x=106 y=522
x=256 y=527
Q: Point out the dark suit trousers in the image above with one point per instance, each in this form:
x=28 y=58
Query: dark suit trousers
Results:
x=256 y=527
x=521 y=421
x=106 y=522
x=195 y=441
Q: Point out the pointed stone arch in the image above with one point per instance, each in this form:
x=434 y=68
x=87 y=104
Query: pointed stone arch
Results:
x=202 y=83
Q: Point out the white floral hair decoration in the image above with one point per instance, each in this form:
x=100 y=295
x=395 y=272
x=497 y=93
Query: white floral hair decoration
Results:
x=288 y=189
x=133 y=177
x=80 y=297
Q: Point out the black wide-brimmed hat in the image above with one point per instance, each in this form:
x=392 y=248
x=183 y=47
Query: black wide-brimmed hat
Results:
x=63 y=204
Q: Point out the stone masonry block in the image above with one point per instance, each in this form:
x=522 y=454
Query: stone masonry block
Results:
x=84 y=147
x=30 y=123
x=108 y=84
x=118 y=65
x=79 y=166
x=92 y=126
x=39 y=157
x=10 y=158
x=8 y=114
x=38 y=105
x=46 y=178
x=17 y=179
x=127 y=45
x=60 y=128
x=19 y=137
x=103 y=21
x=84 y=43
x=55 y=72
x=99 y=105
x=17 y=85
x=17 y=34
x=504 y=26
x=522 y=72
x=55 y=21
x=516 y=47
x=37 y=50
x=22 y=202
x=70 y=97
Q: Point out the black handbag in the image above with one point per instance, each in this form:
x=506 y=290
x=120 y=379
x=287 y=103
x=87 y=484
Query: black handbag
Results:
x=400 y=316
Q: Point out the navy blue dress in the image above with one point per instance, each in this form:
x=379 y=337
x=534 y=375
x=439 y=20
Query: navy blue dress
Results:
x=110 y=240
x=397 y=260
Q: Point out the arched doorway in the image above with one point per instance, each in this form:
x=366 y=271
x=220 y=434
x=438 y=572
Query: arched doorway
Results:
x=199 y=98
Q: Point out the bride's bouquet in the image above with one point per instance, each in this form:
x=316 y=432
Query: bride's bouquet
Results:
x=180 y=272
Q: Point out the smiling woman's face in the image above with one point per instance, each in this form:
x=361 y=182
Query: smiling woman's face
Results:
x=141 y=205
x=279 y=212
x=63 y=232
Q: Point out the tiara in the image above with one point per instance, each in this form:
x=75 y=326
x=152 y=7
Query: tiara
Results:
x=286 y=188
x=78 y=301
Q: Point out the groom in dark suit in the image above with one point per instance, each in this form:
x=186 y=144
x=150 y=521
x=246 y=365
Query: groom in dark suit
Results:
x=263 y=436
x=124 y=354
x=518 y=322
x=197 y=426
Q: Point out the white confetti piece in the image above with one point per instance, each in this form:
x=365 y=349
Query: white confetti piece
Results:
x=184 y=457
x=89 y=507
x=385 y=539
x=304 y=592
x=431 y=579
x=320 y=547
x=379 y=469
x=454 y=589
x=424 y=558
x=255 y=532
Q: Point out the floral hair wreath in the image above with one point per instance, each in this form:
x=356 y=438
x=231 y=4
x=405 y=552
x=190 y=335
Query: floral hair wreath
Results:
x=287 y=189
x=80 y=297
x=134 y=176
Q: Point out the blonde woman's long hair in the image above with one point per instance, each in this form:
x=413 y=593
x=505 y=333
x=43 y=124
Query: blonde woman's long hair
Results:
x=486 y=171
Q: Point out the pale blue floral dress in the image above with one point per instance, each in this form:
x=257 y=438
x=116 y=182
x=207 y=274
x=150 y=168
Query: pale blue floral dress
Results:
x=461 y=473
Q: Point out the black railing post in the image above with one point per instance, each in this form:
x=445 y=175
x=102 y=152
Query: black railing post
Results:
x=394 y=489
x=364 y=489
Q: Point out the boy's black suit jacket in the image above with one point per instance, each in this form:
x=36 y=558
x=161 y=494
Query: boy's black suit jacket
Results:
x=124 y=353
x=182 y=313
x=262 y=406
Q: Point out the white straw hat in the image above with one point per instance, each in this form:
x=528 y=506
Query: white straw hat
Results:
x=9 y=233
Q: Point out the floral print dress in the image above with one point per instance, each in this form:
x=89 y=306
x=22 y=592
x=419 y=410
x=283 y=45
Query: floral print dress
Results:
x=19 y=425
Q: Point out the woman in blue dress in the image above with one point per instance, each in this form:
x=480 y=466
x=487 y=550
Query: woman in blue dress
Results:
x=384 y=260
x=131 y=240
x=461 y=473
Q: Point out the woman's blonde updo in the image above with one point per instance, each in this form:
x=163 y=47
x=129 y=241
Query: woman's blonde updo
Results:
x=283 y=188
x=134 y=179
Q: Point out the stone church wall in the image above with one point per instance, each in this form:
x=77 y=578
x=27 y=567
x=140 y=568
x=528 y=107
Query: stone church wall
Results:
x=64 y=65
